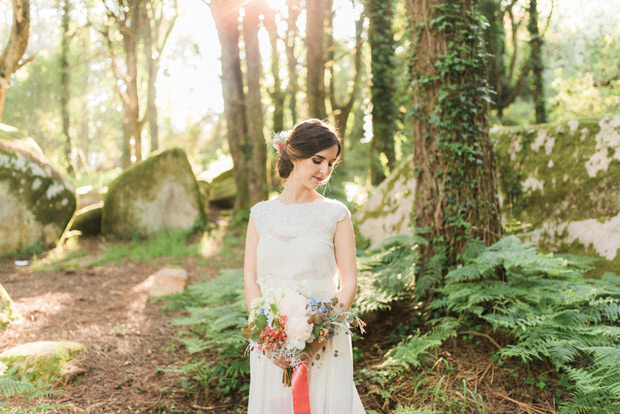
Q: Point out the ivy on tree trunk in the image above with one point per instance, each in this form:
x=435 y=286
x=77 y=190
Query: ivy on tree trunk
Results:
x=456 y=183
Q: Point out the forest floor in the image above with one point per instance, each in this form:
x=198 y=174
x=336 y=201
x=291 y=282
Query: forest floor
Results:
x=131 y=354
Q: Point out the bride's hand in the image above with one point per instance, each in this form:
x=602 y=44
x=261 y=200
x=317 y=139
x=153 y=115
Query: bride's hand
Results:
x=283 y=363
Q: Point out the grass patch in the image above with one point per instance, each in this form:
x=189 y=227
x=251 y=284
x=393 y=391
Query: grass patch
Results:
x=172 y=244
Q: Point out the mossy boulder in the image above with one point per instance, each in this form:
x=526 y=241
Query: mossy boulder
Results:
x=37 y=203
x=88 y=219
x=8 y=313
x=390 y=208
x=223 y=190
x=42 y=360
x=157 y=194
x=561 y=180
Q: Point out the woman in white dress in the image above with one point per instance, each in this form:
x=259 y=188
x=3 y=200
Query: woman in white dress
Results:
x=304 y=238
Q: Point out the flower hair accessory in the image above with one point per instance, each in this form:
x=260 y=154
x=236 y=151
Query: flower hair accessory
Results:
x=279 y=140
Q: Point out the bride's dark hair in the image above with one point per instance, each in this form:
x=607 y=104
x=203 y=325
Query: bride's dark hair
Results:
x=306 y=139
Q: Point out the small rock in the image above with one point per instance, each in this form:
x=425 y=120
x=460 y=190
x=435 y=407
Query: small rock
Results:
x=168 y=281
x=42 y=360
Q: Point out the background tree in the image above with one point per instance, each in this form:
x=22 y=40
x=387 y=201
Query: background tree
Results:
x=293 y=11
x=536 y=64
x=507 y=78
x=257 y=174
x=123 y=17
x=382 y=47
x=11 y=57
x=65 y=89
x=342 y=103
x=456 y=183
x=159 y=18
x=316 y=11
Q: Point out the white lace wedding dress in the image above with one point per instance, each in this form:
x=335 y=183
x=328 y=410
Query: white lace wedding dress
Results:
x=296 y=245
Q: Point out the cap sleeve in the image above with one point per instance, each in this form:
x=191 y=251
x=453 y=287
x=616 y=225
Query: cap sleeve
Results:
x=341 y=211
x=257 y=213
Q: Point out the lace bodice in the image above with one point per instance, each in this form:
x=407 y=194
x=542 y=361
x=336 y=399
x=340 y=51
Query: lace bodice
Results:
x=296 y=241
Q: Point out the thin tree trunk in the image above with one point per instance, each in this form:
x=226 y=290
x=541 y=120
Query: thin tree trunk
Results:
x=152 y=68
x=342 y=110
x=257 y=173
x=315 y=36
x=294 y=9
x=10 y=59
x=65 y=94
x=382 y=47
x=536 y=63
x=456 y=183
x=278 y=94
x=225 y=14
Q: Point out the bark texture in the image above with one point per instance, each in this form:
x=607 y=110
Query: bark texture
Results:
x=456 y=183
x=11 y=57
x=536 y=63
x=315 y=38
x=257 y=174
x=225 y=14
x=382 y=47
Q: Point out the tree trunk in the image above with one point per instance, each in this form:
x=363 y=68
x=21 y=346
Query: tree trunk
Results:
x=315 y=35
x=382 y=46
x=15 y=48
x=278 y=94
x=225 y=14
x=257 y=173
x=294 y=9
x=536 y=64
x=65 y=94
x=456 y=183
x=132 y=105
x=152 y=68
x=342 y=110
x=158 y=24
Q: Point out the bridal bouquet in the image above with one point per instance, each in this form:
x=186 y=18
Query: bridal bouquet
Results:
x=284 y=323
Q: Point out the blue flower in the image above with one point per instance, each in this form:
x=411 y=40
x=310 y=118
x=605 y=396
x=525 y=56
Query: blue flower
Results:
x=261 y=311
x=313 y=302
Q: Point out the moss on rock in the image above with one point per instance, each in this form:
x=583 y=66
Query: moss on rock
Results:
x=390 y=210
x=37 y=203
x=560 y=179
x=223 y=190
x=8 y=313
x=157 y=194
x=42 y=360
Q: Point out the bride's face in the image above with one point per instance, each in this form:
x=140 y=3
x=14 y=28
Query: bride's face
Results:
x=313 y=171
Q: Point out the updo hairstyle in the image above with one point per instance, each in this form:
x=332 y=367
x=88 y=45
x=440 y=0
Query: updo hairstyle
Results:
x=306 y=139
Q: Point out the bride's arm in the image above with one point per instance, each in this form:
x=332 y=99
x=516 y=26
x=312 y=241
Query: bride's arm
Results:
x=252 y=290
x=344 y=246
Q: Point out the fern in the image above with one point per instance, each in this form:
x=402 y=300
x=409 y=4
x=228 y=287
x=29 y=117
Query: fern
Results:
x=550 y=310
x=11 y=388
x=215 y=310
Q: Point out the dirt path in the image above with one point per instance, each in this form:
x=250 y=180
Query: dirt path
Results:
x=129 y=340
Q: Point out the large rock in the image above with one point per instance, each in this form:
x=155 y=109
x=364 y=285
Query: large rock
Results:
x=167 y=281
x=8 y=313
x=157 y=194
x=88 y=219
x=389 y=210
x=36 y=203
x=223 y=190
x=43 y=360
x=561 y=180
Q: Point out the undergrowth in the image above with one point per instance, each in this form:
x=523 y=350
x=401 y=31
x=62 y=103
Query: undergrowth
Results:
x=538 y=307
x=12 y=385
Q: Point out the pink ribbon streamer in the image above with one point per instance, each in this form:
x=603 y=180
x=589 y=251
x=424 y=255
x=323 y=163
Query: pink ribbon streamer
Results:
x=301 y=393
